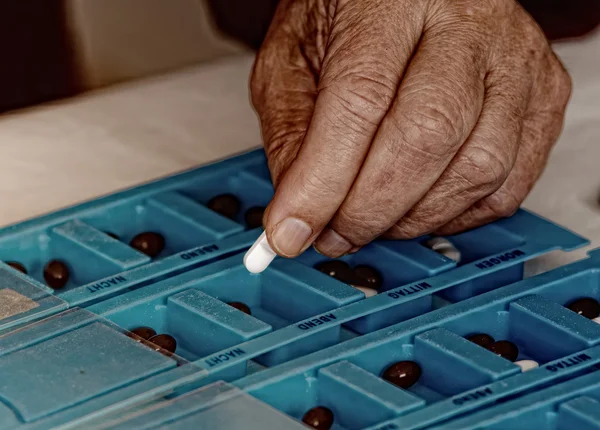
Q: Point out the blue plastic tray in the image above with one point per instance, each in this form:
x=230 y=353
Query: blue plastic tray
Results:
x=67 y=357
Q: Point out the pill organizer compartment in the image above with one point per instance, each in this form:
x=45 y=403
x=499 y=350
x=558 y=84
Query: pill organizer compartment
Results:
x=58 y=364
x=358 y=396
x=87 y=253
x=574 y=404
x=182 y=222
x=219 y=405
x=451 y=365
x=193 y=307
x=23 y=300
x=249 y=185
x=494 y=245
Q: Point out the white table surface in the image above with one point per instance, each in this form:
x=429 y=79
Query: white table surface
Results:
x=61 y=154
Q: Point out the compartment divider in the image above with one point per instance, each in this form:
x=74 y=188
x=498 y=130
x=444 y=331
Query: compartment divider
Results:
x=116 y=253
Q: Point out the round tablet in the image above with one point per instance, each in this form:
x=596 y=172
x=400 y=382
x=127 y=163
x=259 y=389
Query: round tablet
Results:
x=148 y=243
x=17 y=266
x=586 y=307
x=403 y=374
x=165 y=342
x=227 y=205
x=254 y=217
x=241 y=307
x=56 y=274
x=505 y=349
x=144 y=332
x=337 y=269
x=319 y=418
x=481 y=339
x=368 y=276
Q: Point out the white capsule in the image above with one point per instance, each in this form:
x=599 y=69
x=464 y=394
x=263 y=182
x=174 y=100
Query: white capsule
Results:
x=526 y=365
x=596 y=320
x=260 y=255
x=369 y=292
x=445 y=247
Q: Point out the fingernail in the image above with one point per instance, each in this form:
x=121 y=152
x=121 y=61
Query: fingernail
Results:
x=354 y=250
x=332 y=244
x=290 y=236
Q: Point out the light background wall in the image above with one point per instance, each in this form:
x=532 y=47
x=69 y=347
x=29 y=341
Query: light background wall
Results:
x=117 y=40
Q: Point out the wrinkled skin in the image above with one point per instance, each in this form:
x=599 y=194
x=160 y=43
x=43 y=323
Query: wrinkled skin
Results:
x=398 y=118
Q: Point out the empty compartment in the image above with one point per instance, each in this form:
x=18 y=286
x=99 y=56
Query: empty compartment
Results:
x=581 y=413
x=216 y=406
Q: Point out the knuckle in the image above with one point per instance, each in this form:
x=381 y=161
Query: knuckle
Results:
x=358 y=226
x=503 y=204
x=408 y=228
x=481 y=169
x=429 y=131
x=363 y=90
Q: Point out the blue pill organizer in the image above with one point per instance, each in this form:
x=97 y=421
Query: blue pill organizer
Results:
x=70 y=357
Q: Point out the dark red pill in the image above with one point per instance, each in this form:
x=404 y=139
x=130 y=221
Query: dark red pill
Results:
x=337 y=269
x=586 y=307
x=148 y=243
x=481 y=339
x=164 y=342
x=227 y=205
x=368 y=277
x=17 y=266
x=505 y=349
x=403 y=374
x=144 y=332
x=254 y=217
x=241 y=307
x=56 y=274
x=319 y=418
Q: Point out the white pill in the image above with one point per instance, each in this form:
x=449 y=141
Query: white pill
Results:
x=260 y=255
x=526 y=365
x=369 y=292
x=596 y=320
x=444 y=247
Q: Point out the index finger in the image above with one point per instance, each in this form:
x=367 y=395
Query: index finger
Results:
x=356 y=87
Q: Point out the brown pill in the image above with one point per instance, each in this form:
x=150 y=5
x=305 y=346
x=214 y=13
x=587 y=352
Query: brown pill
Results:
x=505 y=349
x=144 y=332
x=586 y=307
x=227 y=205
x=114 y=236
x=481 y=339
x=241 y=307
x=368 y=276
x=56 y=274
x=403 y=374
x=166 y=342
x=337 y=269
x=148 y=243
x=17 y=266
x=254 y=217
x=320 y=418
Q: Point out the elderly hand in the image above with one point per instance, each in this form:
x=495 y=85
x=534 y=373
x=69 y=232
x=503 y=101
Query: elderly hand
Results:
x=398 y=118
